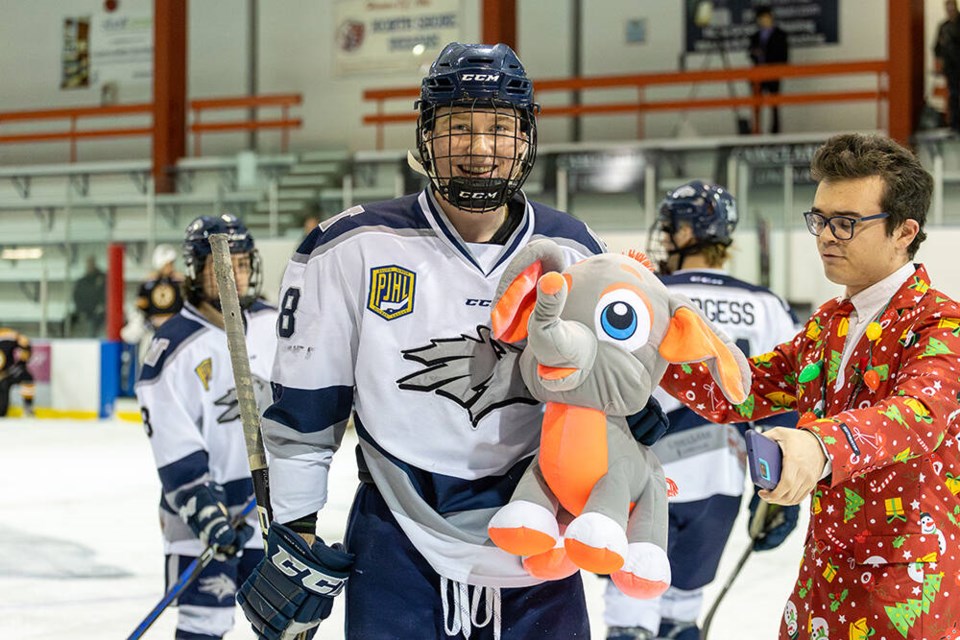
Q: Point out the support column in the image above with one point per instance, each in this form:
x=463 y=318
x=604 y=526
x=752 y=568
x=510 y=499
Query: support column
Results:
x=499 y=22
x=905 y=49
x=169 y=90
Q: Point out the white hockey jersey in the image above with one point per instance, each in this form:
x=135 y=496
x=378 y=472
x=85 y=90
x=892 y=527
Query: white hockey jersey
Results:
x=386 y=311
x=702 y=458
x=188 y=401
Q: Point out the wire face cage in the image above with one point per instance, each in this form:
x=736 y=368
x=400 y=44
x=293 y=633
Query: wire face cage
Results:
x=477 y=153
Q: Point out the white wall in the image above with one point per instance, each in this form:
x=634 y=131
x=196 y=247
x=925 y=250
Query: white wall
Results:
x=296 y=55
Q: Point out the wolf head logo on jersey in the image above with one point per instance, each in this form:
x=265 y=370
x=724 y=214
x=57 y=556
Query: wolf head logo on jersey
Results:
x=478 y=373
x=392 y=291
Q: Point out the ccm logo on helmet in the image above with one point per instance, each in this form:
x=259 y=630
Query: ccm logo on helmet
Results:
x=479 y=77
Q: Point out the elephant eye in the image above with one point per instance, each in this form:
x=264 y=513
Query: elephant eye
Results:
x=622 y=318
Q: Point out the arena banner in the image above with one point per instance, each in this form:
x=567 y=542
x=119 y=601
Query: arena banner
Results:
x=393 y=35
x=121 y=47
x=75 y=53
x=731 y=22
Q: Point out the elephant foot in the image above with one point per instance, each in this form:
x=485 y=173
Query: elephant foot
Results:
x=596 y=542
x=524 y=529
x=551 y=565
x=646 y=572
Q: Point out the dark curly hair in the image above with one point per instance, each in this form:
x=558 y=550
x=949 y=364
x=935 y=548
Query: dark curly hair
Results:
x=908 y=187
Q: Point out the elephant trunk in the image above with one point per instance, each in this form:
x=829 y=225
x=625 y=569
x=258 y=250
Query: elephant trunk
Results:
x=556 y=342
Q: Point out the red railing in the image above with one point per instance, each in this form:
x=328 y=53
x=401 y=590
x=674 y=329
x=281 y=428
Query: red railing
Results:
x=71 y=118
x=281 y=101
x=65 y=124
x=751 y=75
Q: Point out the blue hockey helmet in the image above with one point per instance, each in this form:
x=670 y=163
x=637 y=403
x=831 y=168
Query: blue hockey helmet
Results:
x=708 y=209
x=196 y=249
x=463 y=79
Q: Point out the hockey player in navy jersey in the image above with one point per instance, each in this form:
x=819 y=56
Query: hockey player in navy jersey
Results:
x=691 y=238
x=385 y=313
x=188 y=401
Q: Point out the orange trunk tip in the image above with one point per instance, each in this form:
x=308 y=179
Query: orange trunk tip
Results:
x=551 y=283
x=554 y=373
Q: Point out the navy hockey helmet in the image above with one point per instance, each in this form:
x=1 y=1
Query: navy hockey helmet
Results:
x=708 y=209
x=463 y=79
x=196 y=250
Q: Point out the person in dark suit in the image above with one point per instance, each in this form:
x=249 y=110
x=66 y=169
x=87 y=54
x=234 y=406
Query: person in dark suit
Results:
x=946 y=51
x=769 y=46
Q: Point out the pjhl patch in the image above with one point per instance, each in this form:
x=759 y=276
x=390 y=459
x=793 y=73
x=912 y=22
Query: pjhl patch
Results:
x=391 y=291
x=204 y=371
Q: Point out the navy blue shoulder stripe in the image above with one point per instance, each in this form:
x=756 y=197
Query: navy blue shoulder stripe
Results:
x=712 y=278
x=177 y=330
x=399 y=213
x=447 y=494
x=553 y=223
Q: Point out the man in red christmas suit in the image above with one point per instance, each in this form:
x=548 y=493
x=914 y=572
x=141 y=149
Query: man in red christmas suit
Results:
x=875 y=376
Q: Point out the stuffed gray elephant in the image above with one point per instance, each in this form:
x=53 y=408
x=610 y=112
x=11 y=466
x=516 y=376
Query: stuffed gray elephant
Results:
x=600 y=335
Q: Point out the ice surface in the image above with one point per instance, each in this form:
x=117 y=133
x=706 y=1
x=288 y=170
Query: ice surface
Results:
x=81 y=554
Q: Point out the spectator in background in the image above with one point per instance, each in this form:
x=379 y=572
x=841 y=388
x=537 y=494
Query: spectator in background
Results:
x=769 y=46
x=946 y=51
x=158 y=298
x=90 y=300
x=14 y=355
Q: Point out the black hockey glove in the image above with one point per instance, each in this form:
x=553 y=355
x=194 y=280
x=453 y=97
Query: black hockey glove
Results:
x=779 y=522
x=202 y=509
x=649 y=424
x=293 y=587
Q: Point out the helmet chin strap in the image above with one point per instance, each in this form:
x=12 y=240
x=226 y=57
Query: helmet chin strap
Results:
x=477 y=195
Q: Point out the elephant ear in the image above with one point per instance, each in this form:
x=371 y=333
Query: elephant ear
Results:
x=692 y=338
x=517 y=291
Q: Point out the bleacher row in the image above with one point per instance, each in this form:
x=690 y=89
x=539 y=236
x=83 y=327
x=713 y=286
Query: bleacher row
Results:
x=71 y=211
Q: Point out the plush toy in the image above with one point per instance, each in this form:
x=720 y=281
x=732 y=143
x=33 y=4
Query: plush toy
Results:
x=600 y=335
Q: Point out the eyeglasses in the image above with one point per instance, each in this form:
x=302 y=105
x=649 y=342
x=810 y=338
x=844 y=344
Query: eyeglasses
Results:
x=842 y=227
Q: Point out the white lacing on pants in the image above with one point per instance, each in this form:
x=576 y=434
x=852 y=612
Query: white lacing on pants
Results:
x=466 y=608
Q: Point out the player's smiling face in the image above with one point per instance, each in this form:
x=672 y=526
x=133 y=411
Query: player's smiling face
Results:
x=478 y=143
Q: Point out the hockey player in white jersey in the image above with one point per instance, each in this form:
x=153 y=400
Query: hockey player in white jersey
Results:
x=385 y=312
x=691 y=239
x=188 y=401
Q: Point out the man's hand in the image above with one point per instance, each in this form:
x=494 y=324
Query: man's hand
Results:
x=803 y=463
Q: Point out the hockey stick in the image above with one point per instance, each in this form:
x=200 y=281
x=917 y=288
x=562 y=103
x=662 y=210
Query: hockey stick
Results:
x=193 y=570
x=242 y=378
x=757 y=525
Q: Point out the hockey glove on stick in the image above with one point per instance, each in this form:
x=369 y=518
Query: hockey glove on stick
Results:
x=293 y=587
x=649 y=424
x=202 y=509
x=777 y=525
